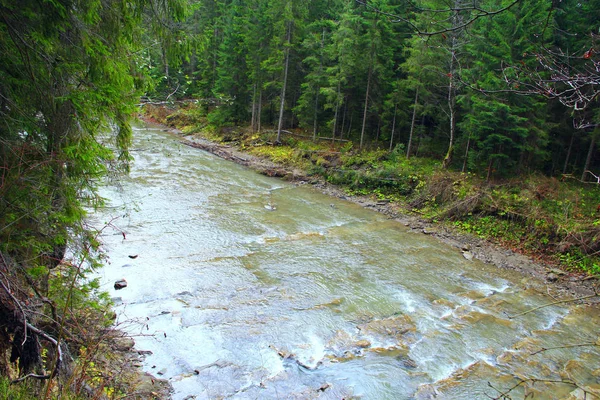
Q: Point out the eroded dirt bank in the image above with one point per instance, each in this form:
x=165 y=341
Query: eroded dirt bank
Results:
x=555 y=281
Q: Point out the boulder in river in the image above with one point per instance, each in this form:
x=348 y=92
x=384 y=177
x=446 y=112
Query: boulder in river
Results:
x=120 y=284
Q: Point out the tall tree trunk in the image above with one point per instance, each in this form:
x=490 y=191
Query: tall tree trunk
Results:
x=451 y=101
x=316 y=113
x=464 y=167
x=215 y=57
x=253 y=123
x=166 y=62
x=568 y=154
x=393 y=127
x=412 y=124
x=364 y=123
x=259 y=111
x=285 y=75
x=337 y=108
x=344 y=114
x=349 y=127
x=489 y=169
x=588 y=160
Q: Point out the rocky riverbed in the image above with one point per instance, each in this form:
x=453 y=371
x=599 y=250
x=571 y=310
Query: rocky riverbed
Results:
x=558 y=281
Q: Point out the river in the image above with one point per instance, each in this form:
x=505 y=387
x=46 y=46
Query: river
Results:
x=248 y=287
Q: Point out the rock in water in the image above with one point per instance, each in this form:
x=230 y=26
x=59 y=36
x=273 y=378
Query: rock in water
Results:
x=120 y=284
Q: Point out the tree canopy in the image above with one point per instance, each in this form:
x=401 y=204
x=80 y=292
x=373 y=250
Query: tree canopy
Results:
x=491 y=75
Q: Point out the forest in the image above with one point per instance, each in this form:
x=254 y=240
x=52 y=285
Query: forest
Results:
x=496 y=89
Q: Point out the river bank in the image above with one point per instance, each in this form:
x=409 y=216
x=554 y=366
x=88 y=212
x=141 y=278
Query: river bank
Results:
x=245 y=286
x=558 y=281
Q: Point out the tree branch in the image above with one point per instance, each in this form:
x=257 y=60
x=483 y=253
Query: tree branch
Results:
x=480 y=13
x=39 y=332
x=553 y=304
x=567 y=346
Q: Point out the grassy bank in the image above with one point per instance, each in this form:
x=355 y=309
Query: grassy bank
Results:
x=555 y=221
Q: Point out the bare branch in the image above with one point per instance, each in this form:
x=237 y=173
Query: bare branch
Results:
x=596 y=294
x=567 y=346
x=505 y=394
x=28 y=326
x=479 y=13
x=58 y=363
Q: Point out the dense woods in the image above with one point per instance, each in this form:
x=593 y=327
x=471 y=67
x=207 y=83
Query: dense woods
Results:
x=493 y=87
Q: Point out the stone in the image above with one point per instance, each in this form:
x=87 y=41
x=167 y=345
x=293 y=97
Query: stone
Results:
x=558 y=272
x=120 y=284
x=468 y=255
x=552 y=277
x=151 y=387
x=124 y=344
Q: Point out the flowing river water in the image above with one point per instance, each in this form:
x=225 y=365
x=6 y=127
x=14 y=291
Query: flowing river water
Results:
x=248 y=287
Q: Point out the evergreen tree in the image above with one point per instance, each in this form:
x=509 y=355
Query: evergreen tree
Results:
x=68 y=75
x=507 y=129
x=230 y=88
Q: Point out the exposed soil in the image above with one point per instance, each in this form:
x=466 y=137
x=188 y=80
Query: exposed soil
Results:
x=553 y=280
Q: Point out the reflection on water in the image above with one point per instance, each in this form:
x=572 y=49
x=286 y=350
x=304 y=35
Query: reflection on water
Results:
x=250 y=287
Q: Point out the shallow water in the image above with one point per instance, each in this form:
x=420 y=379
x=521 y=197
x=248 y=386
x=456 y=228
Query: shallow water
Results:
x=248 y=287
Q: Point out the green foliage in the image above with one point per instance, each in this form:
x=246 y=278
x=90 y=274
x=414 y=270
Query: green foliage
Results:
x=29 y=391
x=70 y=78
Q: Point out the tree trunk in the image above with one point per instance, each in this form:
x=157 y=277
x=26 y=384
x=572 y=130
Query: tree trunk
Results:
x=166 y=62
x=316 y=114
x=285 y=75
x=335 y=115
x=588 y=160
x=253 y=123
x=568 y=154
x=464 y=167
x=349 y=127
x=451 y=105
x=344 y=114
x=393 y=127
x=412 y=124
x=489 y=169
x=364 y=124
x=259 y=111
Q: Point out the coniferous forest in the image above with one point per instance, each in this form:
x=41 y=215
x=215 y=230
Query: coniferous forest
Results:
x=497 y=90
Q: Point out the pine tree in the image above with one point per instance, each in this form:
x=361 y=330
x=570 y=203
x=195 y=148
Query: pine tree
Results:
x=507 y=129
x=230 y=88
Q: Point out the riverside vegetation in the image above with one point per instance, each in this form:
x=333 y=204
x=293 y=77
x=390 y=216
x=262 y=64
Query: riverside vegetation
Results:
x=68 y=85
x=556 y=221
x=513 y=86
